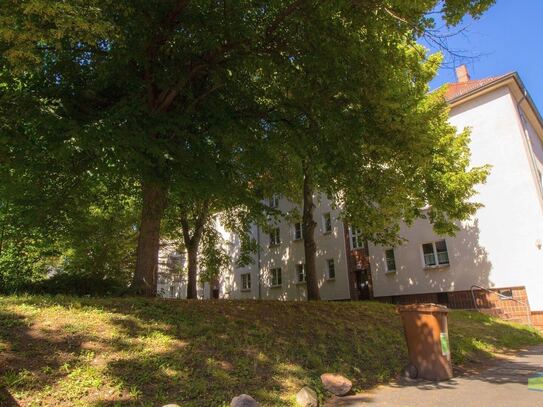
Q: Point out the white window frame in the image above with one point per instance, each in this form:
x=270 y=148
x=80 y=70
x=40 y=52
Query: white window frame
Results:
x=302 y=265
x=387 y=269
x=275 y=237
x=328 y=262
x=353 y=235
x=274 y=201
x=276 y=274
x=294 y=231
x=435 y=253
x=325 y=217
x=245 y=278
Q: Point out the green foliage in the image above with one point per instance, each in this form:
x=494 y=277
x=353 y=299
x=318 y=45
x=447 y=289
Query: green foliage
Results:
x=186 y=94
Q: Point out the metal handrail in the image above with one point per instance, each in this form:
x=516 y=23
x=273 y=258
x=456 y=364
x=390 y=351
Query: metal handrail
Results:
x=502 y=297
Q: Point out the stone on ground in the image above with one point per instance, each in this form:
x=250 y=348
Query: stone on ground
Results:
x=307 y=397
x=171 y=405
x=336 y=384
x=243 y=400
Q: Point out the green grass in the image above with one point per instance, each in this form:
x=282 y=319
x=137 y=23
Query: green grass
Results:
x=63 y=351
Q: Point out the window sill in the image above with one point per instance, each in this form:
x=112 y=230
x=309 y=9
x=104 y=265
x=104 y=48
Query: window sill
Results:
x=272 y=246
x=437 y=266
x=245 y=290
x=331 y=279
x=390 y=272
x=297 y=239
x=276 y=286
x=300 y=282
x=327 y=232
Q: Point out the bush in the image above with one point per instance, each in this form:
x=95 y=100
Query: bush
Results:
x=78 y=284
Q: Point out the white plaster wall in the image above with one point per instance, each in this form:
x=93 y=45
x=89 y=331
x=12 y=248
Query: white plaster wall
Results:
x=291 y=252
x=498 y=247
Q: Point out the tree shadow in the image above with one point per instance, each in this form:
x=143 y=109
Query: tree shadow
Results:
x=194 y=353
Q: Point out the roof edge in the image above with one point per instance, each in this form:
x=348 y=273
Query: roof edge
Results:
x=498 y=82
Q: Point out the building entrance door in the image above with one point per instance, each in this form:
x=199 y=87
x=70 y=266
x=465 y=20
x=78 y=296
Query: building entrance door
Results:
x=362 y=284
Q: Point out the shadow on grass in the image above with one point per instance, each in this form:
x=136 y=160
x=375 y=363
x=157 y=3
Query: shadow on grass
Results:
x=116 y=352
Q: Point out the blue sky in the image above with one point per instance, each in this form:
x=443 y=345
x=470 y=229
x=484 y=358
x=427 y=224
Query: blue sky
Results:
x=508 y=37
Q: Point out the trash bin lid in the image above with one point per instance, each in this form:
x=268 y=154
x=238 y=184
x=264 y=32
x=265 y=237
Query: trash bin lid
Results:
x=426 y=307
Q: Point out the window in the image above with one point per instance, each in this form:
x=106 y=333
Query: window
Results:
x=246 y=281
x=300 y=273
x=275 y=237
x=356 y=238
x=390 y=260
x=274 y=201
x=435 y=254
x=276 y=277
x=327 y=222
x=172 y=291
x=331 y=269
x=298 y=231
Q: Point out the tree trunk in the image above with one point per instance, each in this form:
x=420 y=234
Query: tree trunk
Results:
x=192 y=244
x=154 y=202
x=308 y=232
x=192 y=255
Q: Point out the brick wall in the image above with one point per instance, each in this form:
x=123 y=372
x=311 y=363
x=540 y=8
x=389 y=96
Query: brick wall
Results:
x=537 y=319
x=488 y=302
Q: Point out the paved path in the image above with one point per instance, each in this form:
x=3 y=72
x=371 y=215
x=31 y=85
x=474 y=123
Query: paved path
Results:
x=503 y=383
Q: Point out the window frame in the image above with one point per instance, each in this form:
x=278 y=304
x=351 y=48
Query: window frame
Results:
x=294 y=231
x=333 y=263
x=353 y=235
x=327 y=226
x=435 y=255
x=387 y=268
x=275 y=237
x=273 y=202
x=297 y=268
x=248 y=287
x=276 y=274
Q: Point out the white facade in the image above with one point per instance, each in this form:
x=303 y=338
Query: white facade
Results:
x=288 y=255
x=172 y=273
x=501 y=245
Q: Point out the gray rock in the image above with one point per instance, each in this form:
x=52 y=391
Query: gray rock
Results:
x=243 y=400
x=336 y=384
x=307 y=397
x=171 y=405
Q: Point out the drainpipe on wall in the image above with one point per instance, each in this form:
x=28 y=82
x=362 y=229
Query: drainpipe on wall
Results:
x=528 y=145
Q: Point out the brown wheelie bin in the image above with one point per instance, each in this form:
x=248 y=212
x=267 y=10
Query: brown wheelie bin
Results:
x=427 y=337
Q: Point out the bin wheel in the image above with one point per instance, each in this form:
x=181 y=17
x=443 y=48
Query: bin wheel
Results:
x=411 y=371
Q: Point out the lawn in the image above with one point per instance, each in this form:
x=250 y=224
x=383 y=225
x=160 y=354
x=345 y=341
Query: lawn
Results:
x=63 y=351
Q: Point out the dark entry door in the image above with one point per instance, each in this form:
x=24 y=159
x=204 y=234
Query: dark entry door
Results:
x=362 y=284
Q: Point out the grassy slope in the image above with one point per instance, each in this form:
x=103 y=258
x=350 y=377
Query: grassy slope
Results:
x=108 y=352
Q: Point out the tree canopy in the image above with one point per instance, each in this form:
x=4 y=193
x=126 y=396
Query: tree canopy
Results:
x=156 y=93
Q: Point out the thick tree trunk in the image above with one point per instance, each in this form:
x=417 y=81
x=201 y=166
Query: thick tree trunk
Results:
x=308 y=232
x=154 y=202
x=192 y=255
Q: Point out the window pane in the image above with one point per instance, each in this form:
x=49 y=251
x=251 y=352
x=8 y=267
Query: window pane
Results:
x=327 y=222
x=429 y=257
x=391 y=261
x=442 y=254
x=297 y=230
x=441 y=246
x=331 y=269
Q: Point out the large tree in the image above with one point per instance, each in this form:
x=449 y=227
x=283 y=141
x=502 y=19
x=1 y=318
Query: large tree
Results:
x=150 y=82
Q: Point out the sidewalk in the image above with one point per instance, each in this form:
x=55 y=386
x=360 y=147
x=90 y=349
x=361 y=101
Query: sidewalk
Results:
x=504 y=383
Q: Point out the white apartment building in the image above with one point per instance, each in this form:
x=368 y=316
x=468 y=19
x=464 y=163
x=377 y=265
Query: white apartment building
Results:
x=499 y=248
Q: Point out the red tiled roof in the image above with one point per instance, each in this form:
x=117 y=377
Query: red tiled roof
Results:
x=457 y=89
